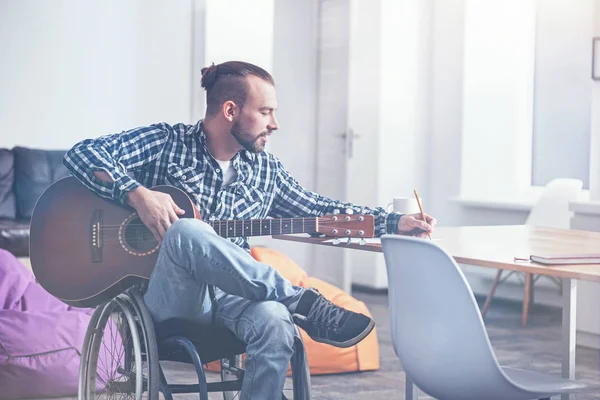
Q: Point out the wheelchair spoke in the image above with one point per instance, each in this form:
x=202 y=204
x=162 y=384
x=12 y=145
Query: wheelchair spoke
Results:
x=115 y=365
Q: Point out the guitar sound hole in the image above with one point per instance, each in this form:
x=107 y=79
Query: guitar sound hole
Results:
x=138 y=237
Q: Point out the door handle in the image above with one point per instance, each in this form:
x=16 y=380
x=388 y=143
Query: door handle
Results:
x=349 y=137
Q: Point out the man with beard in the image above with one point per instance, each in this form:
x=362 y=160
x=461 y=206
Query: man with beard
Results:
x=220 y=163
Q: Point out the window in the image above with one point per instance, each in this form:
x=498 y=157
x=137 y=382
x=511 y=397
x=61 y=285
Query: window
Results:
x=498 y=83
x=527 y=95
x=563 y=92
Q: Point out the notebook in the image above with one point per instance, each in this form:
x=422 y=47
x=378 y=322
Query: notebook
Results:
x=566 y=259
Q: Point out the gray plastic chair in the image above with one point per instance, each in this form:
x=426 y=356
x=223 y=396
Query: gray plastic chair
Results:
x=439 y=335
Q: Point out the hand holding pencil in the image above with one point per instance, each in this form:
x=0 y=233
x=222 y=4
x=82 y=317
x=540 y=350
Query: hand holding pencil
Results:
x=419 y=224
x=421 y=209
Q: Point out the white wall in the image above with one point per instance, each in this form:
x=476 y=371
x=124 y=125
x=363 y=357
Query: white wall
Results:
x=446 y=109
x=404 y=100
x=240 y=30
x=72 y=69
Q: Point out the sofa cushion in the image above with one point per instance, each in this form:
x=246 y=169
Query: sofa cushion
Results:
x=35 y=170
x=14 y=237
x=8 y=205
x=14 y=281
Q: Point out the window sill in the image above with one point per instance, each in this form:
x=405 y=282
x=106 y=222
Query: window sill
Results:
x=524 y=202
x=585 y=207
x=524 y=205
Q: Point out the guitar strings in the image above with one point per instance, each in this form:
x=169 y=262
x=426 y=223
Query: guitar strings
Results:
x=238 y=222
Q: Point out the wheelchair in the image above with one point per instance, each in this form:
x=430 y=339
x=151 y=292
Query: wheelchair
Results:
x=123 y=348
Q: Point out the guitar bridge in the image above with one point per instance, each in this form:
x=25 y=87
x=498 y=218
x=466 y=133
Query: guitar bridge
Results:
x=96 y=235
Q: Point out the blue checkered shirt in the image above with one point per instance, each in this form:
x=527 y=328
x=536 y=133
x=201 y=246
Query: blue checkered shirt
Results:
x=177 y=155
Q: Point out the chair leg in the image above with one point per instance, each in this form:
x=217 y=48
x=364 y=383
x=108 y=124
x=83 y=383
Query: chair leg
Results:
x=526 y=299
x=491 y=294
x=532 y=291
x=300 y=369
x=191 y=351
x=164 y=386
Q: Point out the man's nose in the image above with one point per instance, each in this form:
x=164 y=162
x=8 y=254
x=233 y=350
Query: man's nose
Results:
x=274 y=125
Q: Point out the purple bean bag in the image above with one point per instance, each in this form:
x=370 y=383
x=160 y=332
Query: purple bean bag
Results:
x=40 y=336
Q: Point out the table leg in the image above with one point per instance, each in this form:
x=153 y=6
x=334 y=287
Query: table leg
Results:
x=569 y=329
x=412 y=391
x=347 y=272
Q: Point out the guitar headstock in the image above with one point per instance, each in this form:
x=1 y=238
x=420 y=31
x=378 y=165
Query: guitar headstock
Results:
x=347 y=225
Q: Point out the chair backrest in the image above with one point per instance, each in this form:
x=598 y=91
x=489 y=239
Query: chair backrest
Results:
x=437 y=329
x=552 y=208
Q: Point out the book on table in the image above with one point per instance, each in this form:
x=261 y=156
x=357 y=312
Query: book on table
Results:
x=556 y=259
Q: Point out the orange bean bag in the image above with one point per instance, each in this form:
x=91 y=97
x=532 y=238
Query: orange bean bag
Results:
x=323 y=358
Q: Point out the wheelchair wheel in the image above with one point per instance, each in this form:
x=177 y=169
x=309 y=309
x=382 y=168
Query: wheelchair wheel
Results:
x=119 y=358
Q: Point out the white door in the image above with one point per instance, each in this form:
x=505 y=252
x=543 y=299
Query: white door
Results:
x=345 y=115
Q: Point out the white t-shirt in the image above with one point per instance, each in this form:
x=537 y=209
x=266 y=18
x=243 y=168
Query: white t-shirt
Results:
x=228 y=171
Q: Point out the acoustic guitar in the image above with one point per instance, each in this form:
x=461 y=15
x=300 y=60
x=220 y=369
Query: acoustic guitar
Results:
x=85 y=249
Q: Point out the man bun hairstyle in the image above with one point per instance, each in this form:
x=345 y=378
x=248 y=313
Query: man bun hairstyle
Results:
x=227 y=82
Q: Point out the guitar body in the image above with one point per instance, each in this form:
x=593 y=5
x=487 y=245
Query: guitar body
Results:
x=85 y=250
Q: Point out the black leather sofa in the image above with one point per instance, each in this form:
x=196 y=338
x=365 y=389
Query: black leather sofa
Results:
x=24 y=175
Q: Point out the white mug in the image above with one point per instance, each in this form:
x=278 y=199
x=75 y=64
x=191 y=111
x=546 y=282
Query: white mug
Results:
x=404 y=205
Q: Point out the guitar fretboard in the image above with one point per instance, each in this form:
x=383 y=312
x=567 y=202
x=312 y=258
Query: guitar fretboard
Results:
x=262 y=227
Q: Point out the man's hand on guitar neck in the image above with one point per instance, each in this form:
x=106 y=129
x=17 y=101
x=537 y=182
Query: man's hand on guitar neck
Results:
x=156 y=210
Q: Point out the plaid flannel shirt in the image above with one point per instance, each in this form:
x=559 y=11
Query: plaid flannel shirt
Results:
x=177 y=155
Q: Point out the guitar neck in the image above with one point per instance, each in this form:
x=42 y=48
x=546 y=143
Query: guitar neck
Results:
x=263 y=227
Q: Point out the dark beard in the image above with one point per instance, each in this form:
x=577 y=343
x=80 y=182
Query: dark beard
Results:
x=247 y=139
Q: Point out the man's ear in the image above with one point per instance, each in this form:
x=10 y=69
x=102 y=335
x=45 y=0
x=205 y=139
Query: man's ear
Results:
x=229 y=110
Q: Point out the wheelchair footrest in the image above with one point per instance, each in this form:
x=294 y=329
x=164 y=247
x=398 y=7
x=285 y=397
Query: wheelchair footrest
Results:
x=226 y=386
x=232 y=370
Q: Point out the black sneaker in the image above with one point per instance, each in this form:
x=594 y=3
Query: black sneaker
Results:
x=327 y=323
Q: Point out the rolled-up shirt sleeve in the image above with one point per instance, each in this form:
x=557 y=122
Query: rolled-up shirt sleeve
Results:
x=116 y=155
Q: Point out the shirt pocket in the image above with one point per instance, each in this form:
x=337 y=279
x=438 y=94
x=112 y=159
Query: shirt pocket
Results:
x=248 y=202
x=186 y=178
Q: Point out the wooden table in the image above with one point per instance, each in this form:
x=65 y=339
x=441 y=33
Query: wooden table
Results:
x=496 y=247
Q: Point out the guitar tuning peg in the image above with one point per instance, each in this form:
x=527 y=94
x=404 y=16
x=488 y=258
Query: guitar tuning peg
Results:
x=349 y=241
x=349 y=211
x=362 y=242
x=336 y=241
x=336 y=211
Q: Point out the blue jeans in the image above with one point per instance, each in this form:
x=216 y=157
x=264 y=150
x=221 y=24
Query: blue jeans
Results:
x=252 y=299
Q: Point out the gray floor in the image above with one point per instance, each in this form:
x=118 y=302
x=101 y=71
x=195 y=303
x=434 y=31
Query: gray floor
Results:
x=535 y=347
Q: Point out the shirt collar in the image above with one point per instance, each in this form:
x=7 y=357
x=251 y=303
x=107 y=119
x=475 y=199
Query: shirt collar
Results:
x=197 y=130
x=248 y=155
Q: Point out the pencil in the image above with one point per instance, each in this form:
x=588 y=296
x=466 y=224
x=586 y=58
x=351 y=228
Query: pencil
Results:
x=421 y=208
